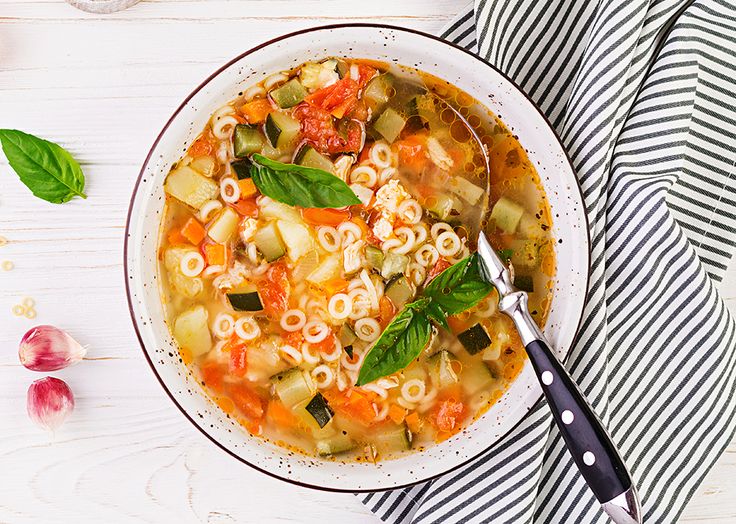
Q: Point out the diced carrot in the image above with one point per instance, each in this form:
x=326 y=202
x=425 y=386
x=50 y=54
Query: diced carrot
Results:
x=411 y=152
x=246 y=400
x=457 y=323
x=186 y=355
x=360 y=407
x=413 y=422
x=335 y=285
x=246 y=207
x=215 y=254
x=226 y=404
x=212 y=373
x=325 y=217
x=193 y=231
x=203 y=146
x=386 y=310
x=247 y=188
x=280 y=415
x=256 y=111
x=396 y=413
x=254 y=427
x=176 y=238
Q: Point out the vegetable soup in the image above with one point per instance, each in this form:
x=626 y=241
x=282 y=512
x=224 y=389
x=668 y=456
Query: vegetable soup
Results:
x=318 y=258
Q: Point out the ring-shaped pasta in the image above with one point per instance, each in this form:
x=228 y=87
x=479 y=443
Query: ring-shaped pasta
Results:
x=291 y=354
x=416 y=273
x=386 y=174
x=315 y=331
x=408 y=238
x=340 y=306
x=350 y=232
x=448 y=244
x=223 y=325
x=246 y=328
x=367 y=329
x=229 y=190
x=329 y=238
x=191 y=264
x=401 y=401
x=252 y=92
x=382 y=413
x=224 y=127
x=352 y=363
x=427 y=255
x=380 y=154
x=308 y=356
x=323 y=376
x=211 y=271
x=413 y=390
x=438 y=228
x=223 y=154
x=410 y=212
x=209 y=207
x=293 y=320
x=378 y=390
x=274 y=79
x=332 y=356
x=420 y=232
x=364 y=175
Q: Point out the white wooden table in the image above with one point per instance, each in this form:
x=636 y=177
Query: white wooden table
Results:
x=102 y=86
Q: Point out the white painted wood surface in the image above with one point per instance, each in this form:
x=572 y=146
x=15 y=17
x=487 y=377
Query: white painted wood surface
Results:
x=102 y=86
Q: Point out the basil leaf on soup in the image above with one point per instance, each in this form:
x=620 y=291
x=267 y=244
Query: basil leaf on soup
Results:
x=400 y=343
x=46 y=168
x=459 y=287
x=435 y=312
x=300 y=185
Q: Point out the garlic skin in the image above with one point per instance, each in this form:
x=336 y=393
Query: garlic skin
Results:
x=49 y=402
x=48 y=348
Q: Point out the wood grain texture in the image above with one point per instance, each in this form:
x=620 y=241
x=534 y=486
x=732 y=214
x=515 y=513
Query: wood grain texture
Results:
x=102 y=86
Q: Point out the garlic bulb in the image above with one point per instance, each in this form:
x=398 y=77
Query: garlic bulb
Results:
x=50 y=401
x=48 y=348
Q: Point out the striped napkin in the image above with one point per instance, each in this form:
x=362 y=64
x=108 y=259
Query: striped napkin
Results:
x=643 y=94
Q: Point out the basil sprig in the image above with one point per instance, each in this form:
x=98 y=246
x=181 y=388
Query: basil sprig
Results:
x=456 y=289
x=300 y=185
x=46 y=168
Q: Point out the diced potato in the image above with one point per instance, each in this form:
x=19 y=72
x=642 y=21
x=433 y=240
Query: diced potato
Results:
x=530 y=227
x=205 y=165
x=506 y=214
x=297 y=239
x=466 y=190
x=191 y=331
x=272 y=209
x=329 y=268
x=187 y=185
x=224 y=226
x=187 y=286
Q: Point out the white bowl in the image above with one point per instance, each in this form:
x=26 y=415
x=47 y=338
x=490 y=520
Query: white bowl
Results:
x=390 y=44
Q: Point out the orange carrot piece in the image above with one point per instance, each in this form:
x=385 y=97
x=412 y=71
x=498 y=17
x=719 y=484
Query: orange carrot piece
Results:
x=247 y=188
x=280 y=415
x=256 y=111
x=335 y=285
x=215 y=254
x=413 y=422
x=193 y=231
x=175 y=237
x=325 y=217
x=203 y=146
x=246 y=207
x=396 y=413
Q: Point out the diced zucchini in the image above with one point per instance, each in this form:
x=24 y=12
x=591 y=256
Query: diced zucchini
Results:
x=441 y=370
x=296 y=237
x=389 y=124
x=293 y=386
x=476 y=377
x=270 y=208
x=524 y=283
x=205 y=165
x=378 y=91
x=187 y=185
x=281 y=130
x=310 y=157
x=466 y=190
x=442 y=205
x=342 y=68
x=525 y=254
x=399 y=291
x=337 y=444
x=393 y=264
x=374 y=257
x=247 y=139
x=320 y=410
x=327 y=270
x=224 y=226
x=268 y=241
x=191 y=331
x=506 y=214
x=347 y=336
x=245 y=299
x=392 y=438
x=474 y=339
x=289 y=94
x=241 y=168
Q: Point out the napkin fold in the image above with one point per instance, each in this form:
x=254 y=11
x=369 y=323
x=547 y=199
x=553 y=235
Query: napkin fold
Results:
x=643 y=95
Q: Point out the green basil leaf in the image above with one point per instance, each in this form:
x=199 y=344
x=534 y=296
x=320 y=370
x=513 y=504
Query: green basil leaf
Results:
x=459 y=287
x=47 y=169
x=506 y=254
x=400 y=343
x=299 y=185
x=435 y=312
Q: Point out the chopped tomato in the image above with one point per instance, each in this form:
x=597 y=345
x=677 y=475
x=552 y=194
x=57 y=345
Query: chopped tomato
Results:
x=275 y=290
x=325 y=217
x=352 y=403
x=396 y=413
x=448 y=415
x=293 y=338
x=246 y=207
x=246 y=400
x=193 y=231
x=438 y=268
x=386 y=310
x=411 y=152
x=238 y=359
x=247 y=188
x=327 y=346
x=203 y=146
x=215 y=254
x=256 y=111
x=337 y=98
x=319 y=130
x=212 y=373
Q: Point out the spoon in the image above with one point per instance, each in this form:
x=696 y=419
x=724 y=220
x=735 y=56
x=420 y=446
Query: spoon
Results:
x=586 y=438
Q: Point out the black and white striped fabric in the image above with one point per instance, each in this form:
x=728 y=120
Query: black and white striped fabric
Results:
x=643 y=94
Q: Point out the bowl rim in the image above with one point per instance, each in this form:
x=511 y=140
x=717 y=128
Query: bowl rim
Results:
x=165 y=128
